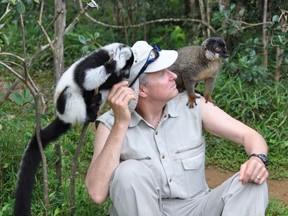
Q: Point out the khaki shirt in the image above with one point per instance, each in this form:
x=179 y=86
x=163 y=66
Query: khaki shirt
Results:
x=174 y=150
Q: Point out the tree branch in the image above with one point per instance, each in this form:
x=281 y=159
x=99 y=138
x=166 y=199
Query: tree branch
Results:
x=13 y=55
x=6 y=12
x=248 y=25
x=13 y=71
x=24 y=46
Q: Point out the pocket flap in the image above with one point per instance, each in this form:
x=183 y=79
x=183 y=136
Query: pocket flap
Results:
x=192 y=163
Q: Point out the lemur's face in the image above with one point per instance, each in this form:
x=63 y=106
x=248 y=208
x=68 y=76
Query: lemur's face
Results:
x=218 y=46
x=123 y=56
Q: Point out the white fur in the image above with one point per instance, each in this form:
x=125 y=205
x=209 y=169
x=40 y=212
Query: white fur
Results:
x=75 y=108
x=212 y=56
x=95 y=77
x=72 y=114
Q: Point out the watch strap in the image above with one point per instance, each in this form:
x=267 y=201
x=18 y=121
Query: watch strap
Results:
x=262 y=157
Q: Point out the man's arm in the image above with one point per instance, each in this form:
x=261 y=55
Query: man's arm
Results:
x=219 y=123
x=108 y=144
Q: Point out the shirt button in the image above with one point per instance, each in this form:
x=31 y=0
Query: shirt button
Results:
x=170 y=179
x=165 y=116
x=156 y=132
x=163 y=156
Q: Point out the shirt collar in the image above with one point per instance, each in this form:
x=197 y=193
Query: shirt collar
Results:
x=170 y=109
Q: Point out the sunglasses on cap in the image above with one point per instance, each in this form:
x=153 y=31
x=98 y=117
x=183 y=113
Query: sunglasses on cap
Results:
x=153 y=55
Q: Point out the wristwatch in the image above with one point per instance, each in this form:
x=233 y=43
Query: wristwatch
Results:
x=262 y=157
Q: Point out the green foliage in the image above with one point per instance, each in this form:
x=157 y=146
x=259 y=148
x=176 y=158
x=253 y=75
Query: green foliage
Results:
x=246 y=63
x=90 y=42
x=22 y=98
x=276 y=208
x=4 y=40
x=178 y=36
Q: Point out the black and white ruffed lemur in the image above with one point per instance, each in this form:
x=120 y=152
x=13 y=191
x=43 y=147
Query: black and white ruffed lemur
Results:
x=78 y=97
x=195 y=63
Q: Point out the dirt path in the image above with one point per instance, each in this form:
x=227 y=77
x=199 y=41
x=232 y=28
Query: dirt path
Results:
x=278 y=189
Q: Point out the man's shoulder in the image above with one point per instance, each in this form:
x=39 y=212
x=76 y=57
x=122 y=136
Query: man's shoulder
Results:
x=107 y=117
x=179 y=103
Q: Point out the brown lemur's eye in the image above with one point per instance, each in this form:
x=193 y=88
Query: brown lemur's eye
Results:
x=217 y=49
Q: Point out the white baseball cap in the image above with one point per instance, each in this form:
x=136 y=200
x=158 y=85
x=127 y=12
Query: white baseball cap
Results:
x=143 y=52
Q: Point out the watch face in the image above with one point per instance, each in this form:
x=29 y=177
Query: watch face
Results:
x=263 y=158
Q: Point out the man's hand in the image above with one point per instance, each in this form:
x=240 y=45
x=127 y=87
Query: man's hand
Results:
x=119 y=98
x=253 y=170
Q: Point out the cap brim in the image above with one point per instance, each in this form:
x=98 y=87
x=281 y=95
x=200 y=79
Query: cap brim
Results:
x=165 y=60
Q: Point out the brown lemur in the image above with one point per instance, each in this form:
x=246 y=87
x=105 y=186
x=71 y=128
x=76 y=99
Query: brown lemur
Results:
x=195 y=63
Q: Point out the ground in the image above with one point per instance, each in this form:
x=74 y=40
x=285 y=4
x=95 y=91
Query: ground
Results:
x=277 y=189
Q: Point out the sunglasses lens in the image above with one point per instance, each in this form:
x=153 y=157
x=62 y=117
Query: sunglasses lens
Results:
x=154 y=54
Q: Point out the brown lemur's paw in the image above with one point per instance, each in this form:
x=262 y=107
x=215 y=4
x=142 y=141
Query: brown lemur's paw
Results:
x=208 y=98
x=191 y=100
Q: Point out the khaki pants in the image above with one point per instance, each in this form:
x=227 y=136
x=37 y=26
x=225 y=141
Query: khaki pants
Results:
x=134 y=192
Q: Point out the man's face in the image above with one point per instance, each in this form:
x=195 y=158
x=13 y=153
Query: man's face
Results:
x=161 y=85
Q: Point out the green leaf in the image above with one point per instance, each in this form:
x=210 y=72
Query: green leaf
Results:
x=57 y=211
x=17 y=98
x=275 y=18
x=27 y=96
x=5 y=39
x=20 y=7
x=7 y=1
x=96 y=35
x=37 y=1
x=82 y=39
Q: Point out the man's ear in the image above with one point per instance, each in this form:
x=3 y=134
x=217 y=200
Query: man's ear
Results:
x=142 y=91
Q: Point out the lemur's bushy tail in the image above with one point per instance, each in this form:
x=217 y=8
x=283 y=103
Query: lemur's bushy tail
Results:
x=30 y=162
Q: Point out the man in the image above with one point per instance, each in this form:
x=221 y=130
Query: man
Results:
x=151 y=161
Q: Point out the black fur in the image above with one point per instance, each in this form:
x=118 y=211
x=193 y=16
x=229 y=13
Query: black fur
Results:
x=61 y=102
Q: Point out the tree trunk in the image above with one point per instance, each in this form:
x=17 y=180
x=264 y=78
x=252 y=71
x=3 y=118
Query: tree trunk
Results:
x=58 y=54
x=60 y=11
x=208 y=17
x=279 y=51
x=279 y=60
x=190 y=6
x=226 y=5
x=264 y=35
x=203 y=14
